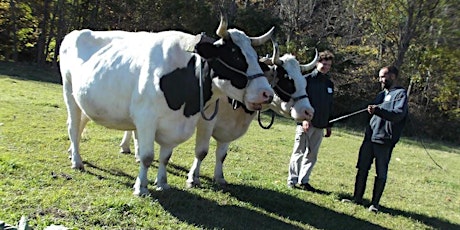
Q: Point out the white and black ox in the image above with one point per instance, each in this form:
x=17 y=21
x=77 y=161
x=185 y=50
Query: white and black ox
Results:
x=150 y=82
x=233 y=120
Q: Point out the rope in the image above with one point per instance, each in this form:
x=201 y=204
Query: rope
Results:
x=424 y=148
x=419 y=139
x=199 y=66
x=362 y=110
x=271 y=121
x=429 y=155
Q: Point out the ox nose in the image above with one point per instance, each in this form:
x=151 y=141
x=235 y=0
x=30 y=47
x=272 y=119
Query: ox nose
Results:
x=268 y=96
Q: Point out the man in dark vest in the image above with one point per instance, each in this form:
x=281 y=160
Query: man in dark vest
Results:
x=309 y=135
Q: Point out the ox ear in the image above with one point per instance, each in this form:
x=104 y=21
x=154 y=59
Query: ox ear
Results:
x=200 y=38
x=207 y=50
x=205 y=46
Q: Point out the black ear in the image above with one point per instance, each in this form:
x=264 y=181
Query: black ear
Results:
x=207 y=50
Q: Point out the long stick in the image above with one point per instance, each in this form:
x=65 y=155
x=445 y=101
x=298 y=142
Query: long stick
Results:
x=348 y=115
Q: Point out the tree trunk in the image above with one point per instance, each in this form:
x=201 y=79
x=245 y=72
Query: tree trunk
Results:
x=15 y=30
x=43 y=32
x=51 y=33
x=406 y=34
x=60 y=30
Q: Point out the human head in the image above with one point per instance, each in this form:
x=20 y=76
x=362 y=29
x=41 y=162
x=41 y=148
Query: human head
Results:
x=388 y=75
x=325 y=61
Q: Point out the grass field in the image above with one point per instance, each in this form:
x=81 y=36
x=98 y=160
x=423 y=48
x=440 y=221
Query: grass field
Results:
x=36 y=179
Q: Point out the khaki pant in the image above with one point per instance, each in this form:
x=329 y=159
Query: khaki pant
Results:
x=304 y=154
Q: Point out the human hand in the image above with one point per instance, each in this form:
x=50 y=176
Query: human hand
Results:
x=371 y=109
x=328 y=132
x=305 y=125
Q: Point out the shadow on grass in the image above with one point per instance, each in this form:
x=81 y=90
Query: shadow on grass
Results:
x=429 y=221
x=211 y=214
x=113 y=172
x=30 y=71
x=208 y=214
x=293 y=208
x=205 y=213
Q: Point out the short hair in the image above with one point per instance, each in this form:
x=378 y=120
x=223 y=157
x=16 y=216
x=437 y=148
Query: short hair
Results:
x=392 y=70
x=326 y=56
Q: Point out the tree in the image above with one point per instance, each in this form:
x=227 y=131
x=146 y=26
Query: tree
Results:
x=395 y=23
x=419 y=36
x=41 y=44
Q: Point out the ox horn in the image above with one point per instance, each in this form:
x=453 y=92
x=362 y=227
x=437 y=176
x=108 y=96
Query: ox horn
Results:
x=276 y=54
x=257 y=41
x=222 y=30
x=311 y=65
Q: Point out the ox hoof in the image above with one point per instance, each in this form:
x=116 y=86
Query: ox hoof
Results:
x=78 y=167
x=221 y=182
x=143 y=192
x=162 y=187
x=193 y=184
x=124 y=151
x=140 y=189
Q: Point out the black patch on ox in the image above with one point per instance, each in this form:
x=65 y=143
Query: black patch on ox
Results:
x=181 y=86
x=230 y=54
x=264 y=67
x=236 y=104
x=285 y=86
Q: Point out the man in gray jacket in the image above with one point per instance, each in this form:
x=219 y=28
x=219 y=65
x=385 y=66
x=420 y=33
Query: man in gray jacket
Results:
x=309 y=135
x=389 y=113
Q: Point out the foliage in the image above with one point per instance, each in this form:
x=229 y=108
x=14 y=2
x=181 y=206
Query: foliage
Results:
x=261 y=20
x=36 y=179
x=419 y=36
x=23 y=26
x=449 y=86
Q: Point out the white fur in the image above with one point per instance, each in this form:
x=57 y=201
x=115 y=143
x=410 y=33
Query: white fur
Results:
x=231 y=124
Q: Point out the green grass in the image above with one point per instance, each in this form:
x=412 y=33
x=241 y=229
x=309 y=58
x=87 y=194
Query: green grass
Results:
x=36 y=179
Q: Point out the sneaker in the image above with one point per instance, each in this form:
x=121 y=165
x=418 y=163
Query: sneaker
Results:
x=345 y=200
x=373 y=208
x=308 y=187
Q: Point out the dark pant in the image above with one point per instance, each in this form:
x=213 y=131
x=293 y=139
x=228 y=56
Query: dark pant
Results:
x=367 y=153
x=380 y=152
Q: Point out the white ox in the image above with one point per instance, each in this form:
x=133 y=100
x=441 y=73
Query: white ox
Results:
x=232 y=122
x=149 y=82
x=290 y=100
